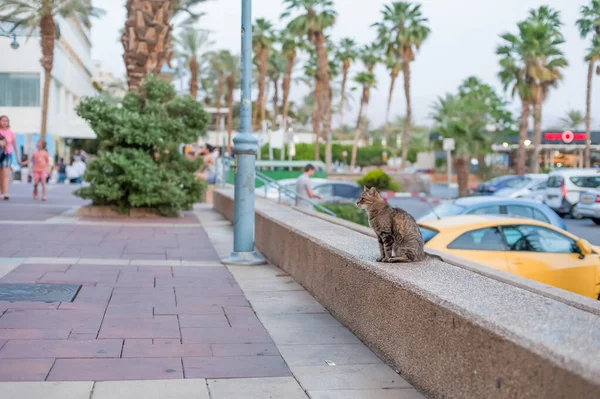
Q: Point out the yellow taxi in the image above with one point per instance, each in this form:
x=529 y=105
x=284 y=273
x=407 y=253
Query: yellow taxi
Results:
x=527 y=248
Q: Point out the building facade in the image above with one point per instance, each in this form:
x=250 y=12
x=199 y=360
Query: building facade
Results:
x=22 y=81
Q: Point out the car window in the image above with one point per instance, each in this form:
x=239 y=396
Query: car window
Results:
x=488 y=239
x=539 y=215
x=519 y=210
x=537 y=239
x=346 y=191
x=443 y=210
x=427 y=234
x=486 y=210
x=540 y=186
x=555 y=182
x=325 y=190
x=518 y=183
x=586 y=181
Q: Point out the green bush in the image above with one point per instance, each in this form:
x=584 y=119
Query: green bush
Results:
x=380 y=180
x=348 y=212
x=140 y=165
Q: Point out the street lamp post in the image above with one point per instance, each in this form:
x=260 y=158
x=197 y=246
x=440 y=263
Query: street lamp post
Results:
x=244 y=150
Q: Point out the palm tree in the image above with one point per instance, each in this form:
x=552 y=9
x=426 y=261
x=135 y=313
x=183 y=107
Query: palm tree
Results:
x=317 y=17
x=545 y=61
x=573 y=119
x=192 y=42
x=40 y=14
x=590 y=23
x=402 y=31
x=231 y=70
x=147 y=35
x=262 y=42
x=367 y=80
x=290 y=45
x=346 y=54
x=394 y=66
x=275 y=70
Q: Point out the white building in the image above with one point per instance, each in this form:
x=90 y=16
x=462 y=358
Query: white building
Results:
x=22 y=80
x=107 y=82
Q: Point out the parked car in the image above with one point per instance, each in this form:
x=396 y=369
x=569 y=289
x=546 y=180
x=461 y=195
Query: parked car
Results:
x=589 y=205
x=496 y=206
x=527 y=248
x=533 y=186
x=565 y=187
x=289 y=185
x=337 y=191
x=498 y=183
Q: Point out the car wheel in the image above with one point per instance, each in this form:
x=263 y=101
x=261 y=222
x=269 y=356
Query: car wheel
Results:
x=575 y=214
x=596 y=220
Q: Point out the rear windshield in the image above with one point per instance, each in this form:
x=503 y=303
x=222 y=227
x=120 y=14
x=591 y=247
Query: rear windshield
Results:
x=586 y=181
x=555 y=182
x=443 y=210
x=427 y=233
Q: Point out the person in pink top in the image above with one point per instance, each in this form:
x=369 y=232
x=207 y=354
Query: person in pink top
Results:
x=9 y=145
x=41 y=161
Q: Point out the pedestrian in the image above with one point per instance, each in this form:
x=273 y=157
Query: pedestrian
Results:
x=8 y=145
x=62 y=171
x=41 y=161
x=304 y=189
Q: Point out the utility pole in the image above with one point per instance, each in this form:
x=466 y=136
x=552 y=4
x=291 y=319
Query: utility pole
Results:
x=244 y=167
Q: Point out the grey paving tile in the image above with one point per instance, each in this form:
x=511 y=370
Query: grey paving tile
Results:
x=159 y=389
x=46 y=390
x=312 y=335
x=318 y=355
x=299 y=320
x=256 y=388
x=367 y=394
x=235 y=367
x=367 y=376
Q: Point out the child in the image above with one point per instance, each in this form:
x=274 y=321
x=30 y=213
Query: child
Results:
x=41 y=160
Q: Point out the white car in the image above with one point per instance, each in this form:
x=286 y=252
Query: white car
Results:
x=589 y=205
x=565 y=187
x=288 y=185
x=532 y=187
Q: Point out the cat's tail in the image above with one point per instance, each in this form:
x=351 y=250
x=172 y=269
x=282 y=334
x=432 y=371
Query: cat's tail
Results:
x=436 y=257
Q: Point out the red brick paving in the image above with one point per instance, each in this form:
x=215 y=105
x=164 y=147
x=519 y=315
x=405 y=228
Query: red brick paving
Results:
x=129 y=322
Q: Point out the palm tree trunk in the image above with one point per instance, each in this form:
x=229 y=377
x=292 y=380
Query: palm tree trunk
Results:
x=218 y=102
x=386 y=128
x=588 y=116
x=194 y=78
x=344 y=81
x=462 y=176
x=262 y=84
x=146 y=39
x=48 y=35
x=317 y=118
x=537 y=137
x=408 y=120
x=285 y=87
x=229 y=98
x=357 y=130
x=523 y=127
x=275 y=101
x=324 y=98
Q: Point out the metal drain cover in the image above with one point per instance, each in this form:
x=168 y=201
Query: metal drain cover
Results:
x=39 y=292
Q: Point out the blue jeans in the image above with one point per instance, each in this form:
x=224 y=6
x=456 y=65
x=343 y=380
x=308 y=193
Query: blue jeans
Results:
x=62 y=177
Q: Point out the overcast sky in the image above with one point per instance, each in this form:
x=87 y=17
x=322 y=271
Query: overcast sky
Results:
x=462 y=43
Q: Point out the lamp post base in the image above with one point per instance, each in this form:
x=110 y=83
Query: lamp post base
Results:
x=244 y=259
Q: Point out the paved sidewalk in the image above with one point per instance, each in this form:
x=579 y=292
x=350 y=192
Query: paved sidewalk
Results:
x=157 y=315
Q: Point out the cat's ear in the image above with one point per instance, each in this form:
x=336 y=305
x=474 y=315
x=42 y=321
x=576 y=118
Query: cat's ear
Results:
x=373 y=190
x=366 y=189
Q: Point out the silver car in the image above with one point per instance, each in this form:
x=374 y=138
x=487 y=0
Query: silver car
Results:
x=532 y=187
x=589 y=205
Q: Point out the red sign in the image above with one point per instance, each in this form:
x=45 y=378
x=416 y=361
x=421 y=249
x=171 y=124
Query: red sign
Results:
x=566 y=137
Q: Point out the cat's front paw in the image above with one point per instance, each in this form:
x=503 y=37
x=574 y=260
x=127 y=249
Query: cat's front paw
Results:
x=383 y=260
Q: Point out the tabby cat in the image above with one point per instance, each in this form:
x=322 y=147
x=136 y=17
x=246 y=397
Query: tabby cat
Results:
x=397 y=231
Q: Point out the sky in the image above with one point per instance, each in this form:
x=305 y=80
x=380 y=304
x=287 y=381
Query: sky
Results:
x=463 y=39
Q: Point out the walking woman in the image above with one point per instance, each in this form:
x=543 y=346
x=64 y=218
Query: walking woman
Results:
x=9 y=144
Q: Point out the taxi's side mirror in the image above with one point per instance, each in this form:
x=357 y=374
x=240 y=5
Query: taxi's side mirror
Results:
x=585 y=248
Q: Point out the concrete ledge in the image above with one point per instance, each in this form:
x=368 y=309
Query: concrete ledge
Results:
x=449 y=331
